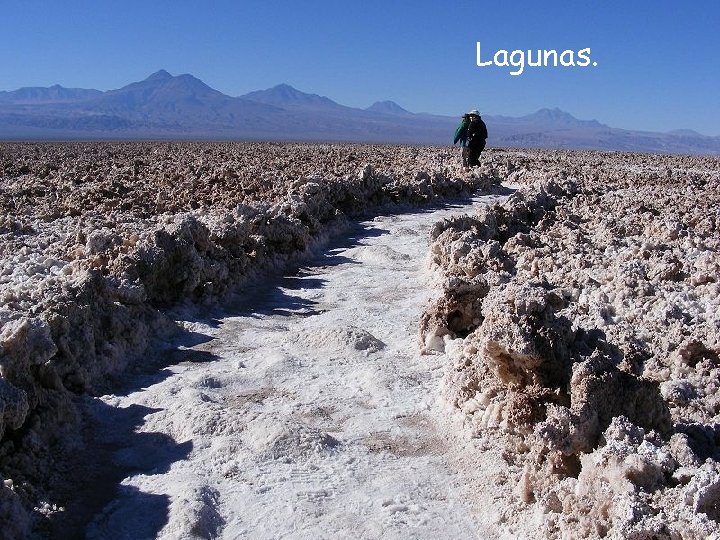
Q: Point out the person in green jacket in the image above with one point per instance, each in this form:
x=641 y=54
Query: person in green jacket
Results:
x=461 y=137
x=471 y=134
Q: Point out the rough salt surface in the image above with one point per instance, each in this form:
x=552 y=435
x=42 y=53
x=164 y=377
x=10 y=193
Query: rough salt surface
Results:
x=315 y=418
x=583 y=318
x=97 y=238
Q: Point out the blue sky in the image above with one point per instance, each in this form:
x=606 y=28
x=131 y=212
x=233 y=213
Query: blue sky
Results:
x=657 y=68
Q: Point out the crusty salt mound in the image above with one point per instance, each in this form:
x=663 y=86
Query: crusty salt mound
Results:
x=339 y=338
x=97 y=239
x=587 y=305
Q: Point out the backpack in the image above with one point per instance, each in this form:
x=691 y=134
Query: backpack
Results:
x=476 y=130
x=461 y=132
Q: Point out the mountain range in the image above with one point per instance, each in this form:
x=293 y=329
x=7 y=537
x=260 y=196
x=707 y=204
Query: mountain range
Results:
x=164 y=106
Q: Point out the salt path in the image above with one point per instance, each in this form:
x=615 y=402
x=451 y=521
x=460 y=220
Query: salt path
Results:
x=302 y=409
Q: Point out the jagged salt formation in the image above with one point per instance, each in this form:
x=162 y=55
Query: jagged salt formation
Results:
x=588 y=309
x=95 y=239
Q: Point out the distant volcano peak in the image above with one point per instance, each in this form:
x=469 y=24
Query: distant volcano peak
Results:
x=284 y=95
x=161 y=75
x=387 y=107
x=556 y=116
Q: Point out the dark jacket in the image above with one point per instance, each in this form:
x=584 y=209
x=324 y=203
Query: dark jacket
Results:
x=476 y=132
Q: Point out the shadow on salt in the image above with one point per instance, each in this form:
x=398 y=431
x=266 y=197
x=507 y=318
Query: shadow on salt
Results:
x=101 y=506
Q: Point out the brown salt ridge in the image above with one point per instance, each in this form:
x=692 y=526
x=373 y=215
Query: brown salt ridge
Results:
x=584 y=320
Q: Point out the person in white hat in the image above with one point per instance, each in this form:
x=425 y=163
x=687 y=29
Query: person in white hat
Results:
x=476 y=136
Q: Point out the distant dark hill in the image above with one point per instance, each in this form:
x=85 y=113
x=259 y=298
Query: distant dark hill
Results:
x=387 y=107
x=285 y=96
x=159 y=90
x=159 y=106
x=557 y=118
x=53 y=94
x=164 y=106
x=182 y=101
x=554 y=128
x=684 y=133
x=544 y=120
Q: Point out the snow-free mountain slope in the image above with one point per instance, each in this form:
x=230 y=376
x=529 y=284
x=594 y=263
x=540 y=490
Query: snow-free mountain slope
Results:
x=184 y=107
x=52 y=94
x=387 y=107
x=285 y=96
